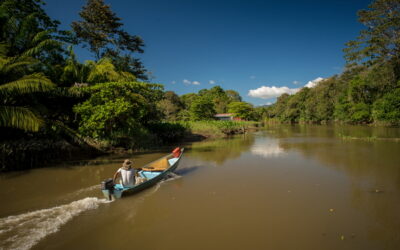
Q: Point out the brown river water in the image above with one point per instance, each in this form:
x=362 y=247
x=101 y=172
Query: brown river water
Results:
x=284 y=187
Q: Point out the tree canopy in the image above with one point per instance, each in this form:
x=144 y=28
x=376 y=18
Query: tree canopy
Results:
x=101 y=30
x=380 y=41
x=363 y=93
x=242 y=110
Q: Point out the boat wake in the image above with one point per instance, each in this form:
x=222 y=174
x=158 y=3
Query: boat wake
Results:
x=25 y=230
x=171 y=176
x=81 y=192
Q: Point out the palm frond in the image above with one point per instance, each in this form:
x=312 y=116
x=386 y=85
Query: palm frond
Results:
x=15 y=64
x=36 y=82
x=104 y=70
x=19 y=117
x=3 y=49
x=127 y=76
x=12 y=24
x=40 y=47
x=41 y=36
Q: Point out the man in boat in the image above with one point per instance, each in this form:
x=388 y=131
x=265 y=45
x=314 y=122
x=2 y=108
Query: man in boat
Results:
x=128 y=175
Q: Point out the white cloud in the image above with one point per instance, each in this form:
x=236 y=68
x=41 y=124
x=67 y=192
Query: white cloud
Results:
x=313 y=83
x=252 y=77
x=173 y=82
x=187 y=82
x=265 y=92
x=211 y=82
x=296 y=82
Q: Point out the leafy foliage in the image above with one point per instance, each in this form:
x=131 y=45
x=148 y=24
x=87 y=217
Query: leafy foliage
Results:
x=16 y=81
x=380 y=42
x=242 y=110
x=170 y=106
x=118 y=108
x=387 y=109
x=202 y=109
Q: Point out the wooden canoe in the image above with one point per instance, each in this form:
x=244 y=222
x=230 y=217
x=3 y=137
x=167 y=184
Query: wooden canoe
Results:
x=153 y=172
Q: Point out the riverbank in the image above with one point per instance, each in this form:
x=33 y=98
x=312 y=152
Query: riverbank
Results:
x=273 y=121
x=218 y=129
x=27 y=154
x=31 y=153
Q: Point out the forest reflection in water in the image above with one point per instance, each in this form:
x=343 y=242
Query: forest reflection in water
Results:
x=368 y=156
x=373 y=167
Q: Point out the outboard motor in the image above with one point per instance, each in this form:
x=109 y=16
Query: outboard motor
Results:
x=108 y=184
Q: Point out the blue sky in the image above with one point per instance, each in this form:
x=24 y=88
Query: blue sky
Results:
x=240 y=45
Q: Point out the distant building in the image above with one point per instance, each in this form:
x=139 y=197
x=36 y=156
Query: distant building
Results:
x=227 y=117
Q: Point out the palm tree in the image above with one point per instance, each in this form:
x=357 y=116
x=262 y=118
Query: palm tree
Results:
x=74 y=71
x=104 y=71
x=13 y=88
x=93 y=72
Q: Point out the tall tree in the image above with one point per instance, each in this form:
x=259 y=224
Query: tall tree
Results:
x=233 y=95
x=380 y=41
x=170 y=105
x=101 y=29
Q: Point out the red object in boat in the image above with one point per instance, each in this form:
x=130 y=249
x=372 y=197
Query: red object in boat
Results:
x=176 y=152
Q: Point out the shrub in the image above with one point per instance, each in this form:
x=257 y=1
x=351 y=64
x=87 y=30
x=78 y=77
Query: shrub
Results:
x=117 y=109
x=387 y=108
x=360 y=112
x=202 y=109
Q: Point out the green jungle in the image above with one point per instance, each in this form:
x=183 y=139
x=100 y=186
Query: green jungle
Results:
x=55 y=107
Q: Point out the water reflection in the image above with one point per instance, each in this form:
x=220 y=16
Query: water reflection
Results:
x=331 y=131
x=266 y=147
x=219 y=151
x=372 y=167
x=319 y=191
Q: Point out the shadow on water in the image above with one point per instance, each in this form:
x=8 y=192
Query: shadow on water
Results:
x=186 y=170
x=116 y=157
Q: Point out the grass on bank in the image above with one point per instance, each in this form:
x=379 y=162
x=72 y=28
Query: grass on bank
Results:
x=368 y=138
x=163 y=133
x=218 y=128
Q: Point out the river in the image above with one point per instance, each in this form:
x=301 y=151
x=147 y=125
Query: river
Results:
x=284 y=187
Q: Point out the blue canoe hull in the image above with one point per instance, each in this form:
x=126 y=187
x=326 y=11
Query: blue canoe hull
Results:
x=120 y=192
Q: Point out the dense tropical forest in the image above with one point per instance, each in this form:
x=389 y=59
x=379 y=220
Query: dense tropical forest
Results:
x=53 y=105
x=56 y=106
x=368 y=91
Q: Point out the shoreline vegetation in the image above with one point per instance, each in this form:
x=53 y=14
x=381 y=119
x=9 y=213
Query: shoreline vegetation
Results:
x=54 y=107
x=41 y=152
x=368 y=89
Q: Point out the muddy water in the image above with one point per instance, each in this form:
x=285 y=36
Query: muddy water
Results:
x=286 y=187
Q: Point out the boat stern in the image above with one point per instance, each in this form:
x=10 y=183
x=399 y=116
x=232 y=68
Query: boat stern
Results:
x=107 y=187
